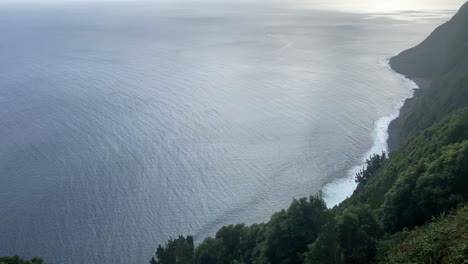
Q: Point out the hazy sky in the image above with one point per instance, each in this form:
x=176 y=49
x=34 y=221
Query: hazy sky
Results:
x=388 y=5
x=349 y=5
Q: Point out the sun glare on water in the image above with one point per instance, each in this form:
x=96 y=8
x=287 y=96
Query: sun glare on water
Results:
x=381 y=5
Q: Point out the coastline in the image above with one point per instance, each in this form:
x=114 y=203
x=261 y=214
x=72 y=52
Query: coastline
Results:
x=385 y=139
x=393 y=141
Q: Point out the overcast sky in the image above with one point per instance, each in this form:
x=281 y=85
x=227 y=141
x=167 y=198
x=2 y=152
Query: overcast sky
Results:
x=362 y=5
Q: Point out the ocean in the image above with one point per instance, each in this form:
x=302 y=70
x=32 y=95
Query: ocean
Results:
x=123 y=124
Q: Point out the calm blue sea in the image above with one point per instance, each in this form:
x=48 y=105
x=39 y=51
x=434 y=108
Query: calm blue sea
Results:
x=124 y=124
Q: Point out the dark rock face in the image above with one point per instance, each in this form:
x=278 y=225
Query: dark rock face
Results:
x=393 y=128
x=439 y=52
x=439 y=65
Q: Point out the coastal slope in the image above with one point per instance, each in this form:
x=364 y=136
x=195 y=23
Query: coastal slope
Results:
x=439 y=53
x=439 y=66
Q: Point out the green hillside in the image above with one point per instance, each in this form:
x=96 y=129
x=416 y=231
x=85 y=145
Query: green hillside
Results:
x=443 y=241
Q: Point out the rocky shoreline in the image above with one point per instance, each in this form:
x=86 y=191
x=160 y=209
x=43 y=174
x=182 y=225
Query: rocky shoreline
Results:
x=394 y=140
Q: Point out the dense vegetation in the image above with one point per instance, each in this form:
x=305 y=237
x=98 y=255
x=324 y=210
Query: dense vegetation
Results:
x=443 y=241
x=18 y=260
x=402 y=210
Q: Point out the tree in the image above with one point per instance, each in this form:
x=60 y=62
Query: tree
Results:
x=231 y=237
x=348 y=238
x=374 y=163
x=290 y=231
x=326 y=249
x=358 y=233
x=435 y=184
x=211 y=251
x=176 y=251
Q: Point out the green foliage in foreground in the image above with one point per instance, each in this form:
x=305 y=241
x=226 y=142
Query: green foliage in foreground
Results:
x=350 y=237
x=428 y=188
x=18 y=260
x=443 y=241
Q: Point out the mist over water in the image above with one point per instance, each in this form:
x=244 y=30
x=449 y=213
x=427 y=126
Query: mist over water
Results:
x=125 y=124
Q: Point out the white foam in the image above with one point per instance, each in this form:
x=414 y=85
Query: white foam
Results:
x=338 y=190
